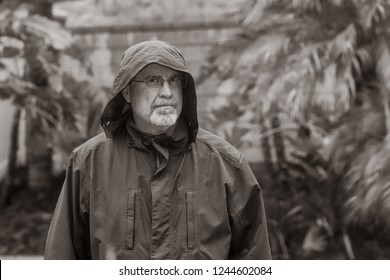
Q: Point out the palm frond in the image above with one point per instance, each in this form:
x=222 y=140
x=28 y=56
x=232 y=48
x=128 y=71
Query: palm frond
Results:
x=13 y=86
x=365 y=59
x=345 y=90
x=311 y=62
x=307 y=5
x=10 y=47
x=371 y=12
x=255 y=13
x=343 y=45
x=368 y=200
x=383 y=64
x=265 y=50
x=52 y=33
x=360 y=126
x=315 y=239
x=323 y=91
x=383 y=72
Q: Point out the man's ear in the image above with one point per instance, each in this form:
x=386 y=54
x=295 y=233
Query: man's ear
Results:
x=126 y=94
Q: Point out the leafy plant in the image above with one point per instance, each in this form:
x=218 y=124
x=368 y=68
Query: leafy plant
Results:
x=315 y=74
x=43 y=75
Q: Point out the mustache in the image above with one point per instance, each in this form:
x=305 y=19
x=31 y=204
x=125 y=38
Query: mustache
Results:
x=164 y=102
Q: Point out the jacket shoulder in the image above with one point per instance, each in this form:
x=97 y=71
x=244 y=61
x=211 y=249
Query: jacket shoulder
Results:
x=84 y=149
x=220 y=145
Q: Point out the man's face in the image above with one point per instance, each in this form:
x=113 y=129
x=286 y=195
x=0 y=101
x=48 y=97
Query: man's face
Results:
x=155 y=109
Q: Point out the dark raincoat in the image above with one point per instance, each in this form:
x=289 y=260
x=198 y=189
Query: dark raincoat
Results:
x=184 y=195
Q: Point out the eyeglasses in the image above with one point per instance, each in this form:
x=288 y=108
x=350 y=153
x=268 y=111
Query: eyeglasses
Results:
x=158 y=81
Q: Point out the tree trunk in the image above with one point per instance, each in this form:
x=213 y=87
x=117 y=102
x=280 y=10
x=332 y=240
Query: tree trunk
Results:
x=282 y=177
x=39 y=156
x=265 y=146
x=39 y=150
x=11 y=177
x=278 y=140
x=386 y=110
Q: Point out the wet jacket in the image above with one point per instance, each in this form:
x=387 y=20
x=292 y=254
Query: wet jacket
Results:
x=187 y=194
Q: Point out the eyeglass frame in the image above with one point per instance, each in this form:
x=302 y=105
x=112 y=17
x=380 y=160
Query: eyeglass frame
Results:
x=162 y=81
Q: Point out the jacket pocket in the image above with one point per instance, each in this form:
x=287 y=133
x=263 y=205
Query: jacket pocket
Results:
x=130 y=219
x=190 y=207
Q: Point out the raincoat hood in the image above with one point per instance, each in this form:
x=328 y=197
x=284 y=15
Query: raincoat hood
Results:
x=133 y=61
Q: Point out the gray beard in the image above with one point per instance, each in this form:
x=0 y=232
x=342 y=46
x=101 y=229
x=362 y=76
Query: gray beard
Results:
x=160 y=118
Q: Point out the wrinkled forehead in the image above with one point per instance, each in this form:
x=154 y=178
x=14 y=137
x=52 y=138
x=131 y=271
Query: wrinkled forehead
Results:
x=156 y=70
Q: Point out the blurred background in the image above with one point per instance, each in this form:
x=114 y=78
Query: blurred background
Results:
x=301 y=87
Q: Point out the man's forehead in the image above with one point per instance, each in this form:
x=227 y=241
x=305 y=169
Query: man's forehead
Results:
x=156 y=69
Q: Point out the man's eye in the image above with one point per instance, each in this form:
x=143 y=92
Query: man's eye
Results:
x=152 y=80
x=175 y=79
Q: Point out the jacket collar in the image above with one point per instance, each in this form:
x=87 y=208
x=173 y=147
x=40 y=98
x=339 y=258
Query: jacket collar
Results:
x=175 y=141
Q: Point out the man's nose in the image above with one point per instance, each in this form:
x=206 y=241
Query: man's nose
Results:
x=166 y=90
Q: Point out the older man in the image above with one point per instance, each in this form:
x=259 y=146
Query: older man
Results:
x=153 y=186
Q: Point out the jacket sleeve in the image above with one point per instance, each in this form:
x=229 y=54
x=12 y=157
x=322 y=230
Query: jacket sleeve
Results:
x=68 y=237
x=247 y=217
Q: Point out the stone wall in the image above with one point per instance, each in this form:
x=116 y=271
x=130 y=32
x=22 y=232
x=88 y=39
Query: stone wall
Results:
x=109 y=13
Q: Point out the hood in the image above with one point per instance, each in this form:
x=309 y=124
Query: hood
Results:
x=133 y=61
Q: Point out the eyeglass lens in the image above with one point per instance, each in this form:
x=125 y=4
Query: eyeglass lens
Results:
x=158 y=81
